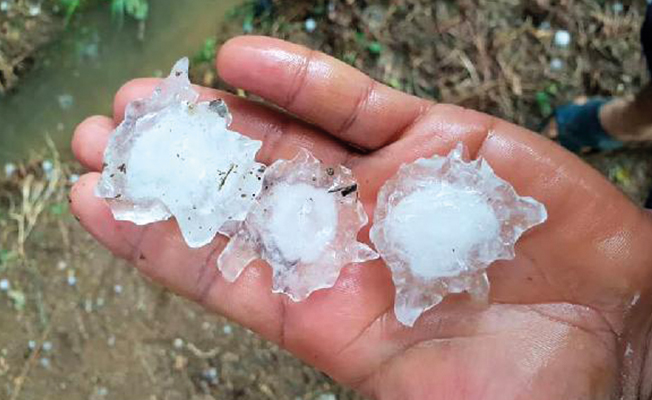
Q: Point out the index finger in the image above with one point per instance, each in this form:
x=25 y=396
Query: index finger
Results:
x=320 y=89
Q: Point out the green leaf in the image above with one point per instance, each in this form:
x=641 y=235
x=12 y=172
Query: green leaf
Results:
x=375 y=48
x=395 y=83
x=18 y=298
x=137 y=9
x=70 y=7
x=59 y=209
x=7 y=256
x=118 y=10
x=248 y=23
x=350 y=58
x=621 y=175
x=209 y=49
x=544 y=103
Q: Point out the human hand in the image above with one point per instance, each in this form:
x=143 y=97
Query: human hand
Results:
x=561 y=315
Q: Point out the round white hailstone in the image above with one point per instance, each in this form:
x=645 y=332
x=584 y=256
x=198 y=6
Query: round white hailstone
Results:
x=211 y=374
x=34 y=9
x=172 y=156
x=73 y=178
x=562 y=38
x=10 y=168
x=310 y=25
x=178 y=343
x=4 y=285
x=66 y=101
x=440 y=222
x=556 y=64
x=117 y=289
x=47 y=166
x=304 y=224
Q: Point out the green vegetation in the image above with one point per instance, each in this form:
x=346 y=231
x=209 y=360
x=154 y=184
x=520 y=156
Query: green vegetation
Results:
x=136 y=9
x=252 y=13
x=7 y=256
x=70 y=8
x=546 y=98
x=206 y=53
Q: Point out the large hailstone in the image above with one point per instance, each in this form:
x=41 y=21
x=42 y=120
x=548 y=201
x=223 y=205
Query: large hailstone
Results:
x=440 y=222
x=304 y=224
x=173 y=156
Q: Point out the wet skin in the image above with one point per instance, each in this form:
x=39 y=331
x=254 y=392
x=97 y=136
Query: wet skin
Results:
x=562 y=315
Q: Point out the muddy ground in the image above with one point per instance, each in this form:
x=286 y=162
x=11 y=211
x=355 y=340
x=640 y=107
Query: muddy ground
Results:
x=24 y=28
x=75 y=323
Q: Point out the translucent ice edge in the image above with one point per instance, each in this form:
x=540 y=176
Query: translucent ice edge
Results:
x=438 y=225
x=173 y=156
x=304 y=224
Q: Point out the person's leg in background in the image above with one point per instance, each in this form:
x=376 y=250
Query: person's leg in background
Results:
x=605 y=124
x=630 y=119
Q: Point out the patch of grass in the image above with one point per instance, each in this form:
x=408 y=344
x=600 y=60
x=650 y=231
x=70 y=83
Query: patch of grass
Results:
x=136 y=9
x=207 y=52
x=70 y=8
x=544 y=102
x=35 y=187
x=252 y=13
x=7 y=256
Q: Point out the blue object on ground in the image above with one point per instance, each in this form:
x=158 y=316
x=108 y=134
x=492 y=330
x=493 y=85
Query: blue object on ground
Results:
x=579 y=127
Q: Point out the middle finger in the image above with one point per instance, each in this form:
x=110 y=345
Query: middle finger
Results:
x=282 y=135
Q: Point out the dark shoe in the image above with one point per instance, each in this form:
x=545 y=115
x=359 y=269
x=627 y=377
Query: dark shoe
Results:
x=579 y=128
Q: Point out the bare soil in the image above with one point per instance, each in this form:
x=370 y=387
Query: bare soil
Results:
x=24 y=29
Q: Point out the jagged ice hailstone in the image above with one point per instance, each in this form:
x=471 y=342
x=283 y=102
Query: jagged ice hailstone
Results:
x=304 y=224
x=440 y=222
x=175 y=156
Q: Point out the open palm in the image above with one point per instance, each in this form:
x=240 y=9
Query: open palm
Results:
x=567 y=318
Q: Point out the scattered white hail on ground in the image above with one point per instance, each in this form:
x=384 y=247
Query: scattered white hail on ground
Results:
x=175 y=156
x=304 y=224
x=440 y=222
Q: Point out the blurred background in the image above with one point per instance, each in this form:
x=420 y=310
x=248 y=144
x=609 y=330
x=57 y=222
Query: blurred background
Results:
x=75 y=323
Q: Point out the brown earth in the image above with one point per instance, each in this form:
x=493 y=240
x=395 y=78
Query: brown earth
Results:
x=494 y=56
x=24 y=28
x=99 y=330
